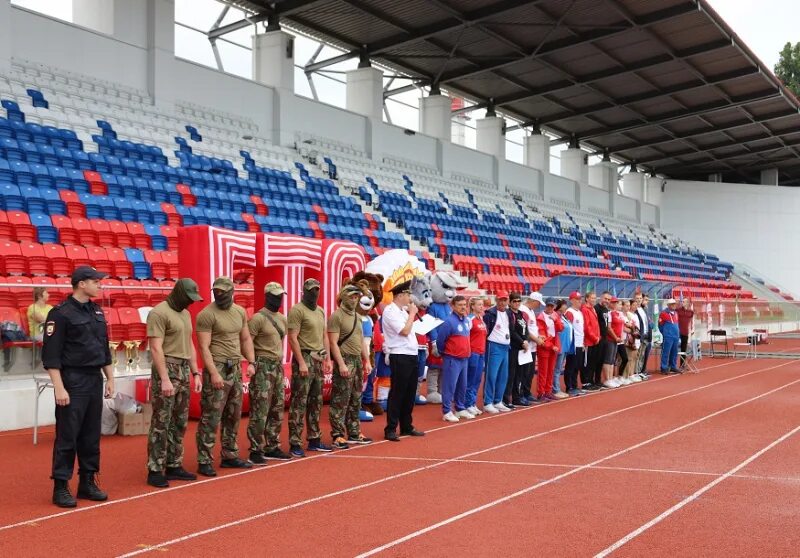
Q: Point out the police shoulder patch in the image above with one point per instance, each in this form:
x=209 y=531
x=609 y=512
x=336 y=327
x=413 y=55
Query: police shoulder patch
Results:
x=50 y=328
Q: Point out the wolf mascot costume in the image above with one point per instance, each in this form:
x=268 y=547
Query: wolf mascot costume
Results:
x=421 y=297
x=443 y=288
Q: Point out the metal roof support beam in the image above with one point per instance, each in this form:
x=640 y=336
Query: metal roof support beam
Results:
x=587 y=37
x=789 y=146
x=285 y=8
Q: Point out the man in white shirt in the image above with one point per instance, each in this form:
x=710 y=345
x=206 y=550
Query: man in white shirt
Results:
x=534 y=303
x=401 y=348
x=498 y=321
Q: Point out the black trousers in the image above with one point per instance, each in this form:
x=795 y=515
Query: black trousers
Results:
x=596 y=357
x=78 y=425
x=684 y=344
x=646 y=356
x=515 y=376
x=574 y=363
x=528 y=373
x=622 y=354
x=402 y=393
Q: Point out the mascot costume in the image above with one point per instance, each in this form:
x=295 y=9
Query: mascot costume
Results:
x=421 y=297
x=371 y=285
x=443 y=288
x=395 y=266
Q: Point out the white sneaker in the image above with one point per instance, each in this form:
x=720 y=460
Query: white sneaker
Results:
x=617 y=381
x=502 y=408
x=625 y=381
x=465 y=414
x=636 y=379
x=475 y=411
x=561 y=395
x=491 y=409
x=610 y=384
x=450 y=417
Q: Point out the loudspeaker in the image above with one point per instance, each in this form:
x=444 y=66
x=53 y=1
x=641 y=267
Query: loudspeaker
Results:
x=290 y=47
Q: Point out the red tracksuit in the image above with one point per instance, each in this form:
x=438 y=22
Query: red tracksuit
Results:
x=549 y=328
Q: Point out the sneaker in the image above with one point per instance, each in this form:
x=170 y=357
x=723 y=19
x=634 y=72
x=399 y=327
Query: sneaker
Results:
x=365 y=416
x=206 y=469
x=278 y=454
x=475 y=411
x=625 y=382
x=635 y=379
x=317 y=445
x=574 y=392
x=560 y=395
x=591 y=387
x=235 y=463
x=616 y=381
x=664 y=372
x=360 y=439
x=179 y=473
x=339 y=443
x=157 y=479
x=521 y=403
x=490 y=409
x=550 y=397
x=501 y=407
x=420 y=400
x=414 y=433
x=465 y=414
x=510 y=406
x=450 y=417
x=609 y=384
x=297 y=451
x=676 y=370
x=257 y=458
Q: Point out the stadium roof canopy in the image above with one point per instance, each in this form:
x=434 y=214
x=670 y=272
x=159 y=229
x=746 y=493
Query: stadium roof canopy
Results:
x=665 y=84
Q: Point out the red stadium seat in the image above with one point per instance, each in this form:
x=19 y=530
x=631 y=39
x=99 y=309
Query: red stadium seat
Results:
x=100 y=261
x=6 y=230
x=120 y=230
x=37 y=262
x=11 y=260
x=21 y=225
x=12 y=314
x=67 y=233
x=105 y=237
x=86 y=233
x=78 y=255
x=60 y=265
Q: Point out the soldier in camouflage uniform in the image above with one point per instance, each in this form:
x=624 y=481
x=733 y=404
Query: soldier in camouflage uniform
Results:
x=169 y=330
x=310 y=361
x=352 y=366
x=267 y=328
x=224 y=338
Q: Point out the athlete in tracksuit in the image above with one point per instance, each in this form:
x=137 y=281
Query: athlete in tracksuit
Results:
x=549 y=327
x=453 y=342
x=668 y=324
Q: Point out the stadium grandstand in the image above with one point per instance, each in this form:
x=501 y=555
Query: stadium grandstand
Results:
x=654 y=153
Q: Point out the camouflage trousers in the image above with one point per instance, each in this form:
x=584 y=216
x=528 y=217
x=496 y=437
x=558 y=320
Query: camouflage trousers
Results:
x=346 y=399
x=220 y=406
x=266 y=405
x=170 y=416
x=306 y=401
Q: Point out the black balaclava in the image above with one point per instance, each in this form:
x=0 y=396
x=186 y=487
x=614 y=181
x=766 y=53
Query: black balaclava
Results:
x=179 y=299
x=273 y=302
x=223 y=299
x=310 y=297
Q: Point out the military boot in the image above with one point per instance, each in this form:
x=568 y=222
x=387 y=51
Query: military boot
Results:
x=88 y=489
x=62 y=496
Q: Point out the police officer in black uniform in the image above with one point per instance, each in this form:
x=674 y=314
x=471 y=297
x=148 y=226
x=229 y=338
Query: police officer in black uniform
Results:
x=74 y=353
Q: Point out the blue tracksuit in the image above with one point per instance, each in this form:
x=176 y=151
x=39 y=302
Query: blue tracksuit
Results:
x=452 y=340
x=668 y=323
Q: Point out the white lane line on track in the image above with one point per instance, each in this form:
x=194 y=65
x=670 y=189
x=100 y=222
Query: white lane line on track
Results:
x=256 y=470
x=467 y=455
x=768 y=478
x=692 y=497
x=563 y=475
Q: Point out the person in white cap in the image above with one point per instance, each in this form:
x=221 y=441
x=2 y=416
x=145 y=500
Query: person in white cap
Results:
x=534 y=304
x=668 y=324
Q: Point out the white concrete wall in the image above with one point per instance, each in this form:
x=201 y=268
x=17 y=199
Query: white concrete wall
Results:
x=463 y=160
x=594 y=199
x=626 y=208
x=650 y=215
x=754 y=224
x=521 y=178
x=392 y=141
x=558 y=189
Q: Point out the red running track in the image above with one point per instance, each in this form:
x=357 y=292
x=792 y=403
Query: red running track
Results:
x=691 y=465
